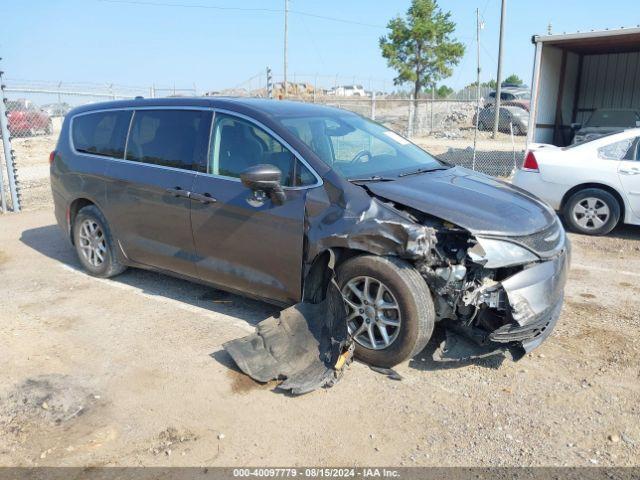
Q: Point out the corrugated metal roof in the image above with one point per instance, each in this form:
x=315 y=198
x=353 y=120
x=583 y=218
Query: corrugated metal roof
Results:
x=590 y=43
x=586 y=35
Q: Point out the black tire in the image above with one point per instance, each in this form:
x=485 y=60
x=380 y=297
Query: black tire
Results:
x=576 y=222
x=110 y=265
x=413 y=299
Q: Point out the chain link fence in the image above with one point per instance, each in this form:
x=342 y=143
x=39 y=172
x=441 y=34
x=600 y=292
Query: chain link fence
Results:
x=33 y=117
x=444 y=127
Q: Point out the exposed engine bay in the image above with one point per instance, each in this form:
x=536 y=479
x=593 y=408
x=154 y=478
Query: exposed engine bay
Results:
x=477 y=285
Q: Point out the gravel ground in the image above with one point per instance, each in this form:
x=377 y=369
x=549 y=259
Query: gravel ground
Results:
x=130 y=371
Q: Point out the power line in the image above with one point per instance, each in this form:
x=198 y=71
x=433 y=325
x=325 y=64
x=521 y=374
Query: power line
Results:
x=240 y=9
x=335 y=19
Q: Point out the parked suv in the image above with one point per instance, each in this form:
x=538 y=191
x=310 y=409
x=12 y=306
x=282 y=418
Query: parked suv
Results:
x=512 y=96
x=252 y=196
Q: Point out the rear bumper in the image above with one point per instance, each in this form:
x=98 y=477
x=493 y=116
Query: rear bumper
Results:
x=532 y=182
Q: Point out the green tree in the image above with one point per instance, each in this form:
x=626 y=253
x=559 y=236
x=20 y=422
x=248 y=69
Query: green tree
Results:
x=420 y=47
x=443 y=91
x=513 y=79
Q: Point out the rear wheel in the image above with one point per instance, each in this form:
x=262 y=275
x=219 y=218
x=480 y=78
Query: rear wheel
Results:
x=94 y=244
x=592 y=211
x=390 y=310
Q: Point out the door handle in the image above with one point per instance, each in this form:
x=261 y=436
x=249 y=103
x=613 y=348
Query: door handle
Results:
x=205 y=198
x=630 y=171
x=178 y=192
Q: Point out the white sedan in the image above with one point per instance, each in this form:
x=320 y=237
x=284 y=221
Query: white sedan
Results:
x=595 y=185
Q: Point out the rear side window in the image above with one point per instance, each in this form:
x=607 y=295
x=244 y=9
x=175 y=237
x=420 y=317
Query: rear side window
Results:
x=101 y=133
x=170 y=138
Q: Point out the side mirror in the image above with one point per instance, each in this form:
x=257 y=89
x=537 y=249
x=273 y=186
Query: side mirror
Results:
x=265 y=178
x=576 y=126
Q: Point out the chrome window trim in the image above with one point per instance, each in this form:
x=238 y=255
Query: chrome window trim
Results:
x=126 y=143
x=152 y=165
x=214 y=110
x=96 y=155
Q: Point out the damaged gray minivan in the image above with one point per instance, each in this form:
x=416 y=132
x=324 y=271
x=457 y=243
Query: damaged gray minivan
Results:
x=252 y=196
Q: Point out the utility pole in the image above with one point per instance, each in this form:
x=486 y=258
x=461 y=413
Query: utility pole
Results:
x=496 y=120
x=286 y=28
x=475 y=134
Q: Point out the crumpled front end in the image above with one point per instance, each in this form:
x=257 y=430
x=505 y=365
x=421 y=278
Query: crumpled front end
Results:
x=498 y=293
x=535 y=298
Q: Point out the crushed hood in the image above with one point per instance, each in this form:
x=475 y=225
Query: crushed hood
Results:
x=473 y=201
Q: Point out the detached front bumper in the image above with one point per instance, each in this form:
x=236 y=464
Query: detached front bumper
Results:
x=535 y=296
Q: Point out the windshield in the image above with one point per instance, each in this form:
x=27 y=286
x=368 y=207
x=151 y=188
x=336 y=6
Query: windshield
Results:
x=614 y=118
x=359 y=148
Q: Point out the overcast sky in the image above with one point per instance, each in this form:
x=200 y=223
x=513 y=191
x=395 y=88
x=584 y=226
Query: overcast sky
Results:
x=158 y=41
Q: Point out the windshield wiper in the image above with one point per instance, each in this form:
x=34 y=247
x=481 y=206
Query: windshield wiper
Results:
x=373 y=178
x=423 y=170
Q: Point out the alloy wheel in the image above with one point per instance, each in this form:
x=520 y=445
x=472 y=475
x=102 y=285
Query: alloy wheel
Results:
x=591 y=213
x=92 y=243
x=374 y=318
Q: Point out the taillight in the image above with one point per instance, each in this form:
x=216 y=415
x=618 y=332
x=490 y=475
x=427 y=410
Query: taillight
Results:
x=52 y=157
x=530 y=163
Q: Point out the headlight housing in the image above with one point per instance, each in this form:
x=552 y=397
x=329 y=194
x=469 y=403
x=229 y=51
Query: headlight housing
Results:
x=493 y=253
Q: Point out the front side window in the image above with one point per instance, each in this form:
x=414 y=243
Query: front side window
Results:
x=101 y=133
x=237 y=144
x=170 y=138
x=617 y=150
x=356 y=147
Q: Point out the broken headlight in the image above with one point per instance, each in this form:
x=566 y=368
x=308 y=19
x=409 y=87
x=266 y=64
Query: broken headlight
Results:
x=492 y=253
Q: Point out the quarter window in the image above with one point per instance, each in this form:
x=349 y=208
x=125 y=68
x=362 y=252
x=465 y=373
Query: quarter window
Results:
x=101 y=133
x=615 y=151
x=170 y=138
x=237 y=145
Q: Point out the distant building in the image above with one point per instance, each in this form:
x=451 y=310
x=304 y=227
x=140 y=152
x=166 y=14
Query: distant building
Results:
x=348 y=91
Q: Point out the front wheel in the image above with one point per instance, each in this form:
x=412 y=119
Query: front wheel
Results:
x=390 y=309
x=592 y=211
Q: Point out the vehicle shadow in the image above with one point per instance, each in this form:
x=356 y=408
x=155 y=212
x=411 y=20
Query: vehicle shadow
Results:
x=622 y=231
x=50 y=241
x=424 y=360
x=626 y=232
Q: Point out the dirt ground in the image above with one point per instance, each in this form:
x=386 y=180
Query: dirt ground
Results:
x=130 y=371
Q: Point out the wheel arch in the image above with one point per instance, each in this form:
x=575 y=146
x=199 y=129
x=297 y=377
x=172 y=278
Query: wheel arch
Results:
x=72 y=212
x=317 y=277
x=601 y=186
